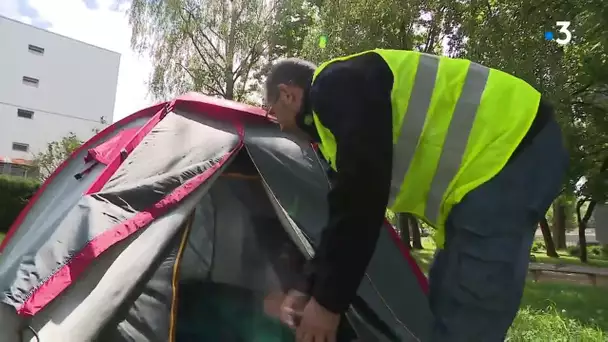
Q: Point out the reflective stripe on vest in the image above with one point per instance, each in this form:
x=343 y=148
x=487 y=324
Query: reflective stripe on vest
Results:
x=457 y=134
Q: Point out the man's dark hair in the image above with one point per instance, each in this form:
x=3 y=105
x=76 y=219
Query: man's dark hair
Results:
x=294 y=71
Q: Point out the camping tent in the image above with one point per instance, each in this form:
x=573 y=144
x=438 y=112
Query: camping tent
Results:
x=173 y=223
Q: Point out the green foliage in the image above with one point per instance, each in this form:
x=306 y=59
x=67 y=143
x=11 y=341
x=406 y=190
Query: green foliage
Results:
x=391 y=217
x=217 y=47
x=54 y=154
x=574 y=250
x=594 y=252
x=538 y=246
x=352 y=26
x=14 y=194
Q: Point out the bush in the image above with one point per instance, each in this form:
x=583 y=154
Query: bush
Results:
x=574 y=250
x=538 y=246
x=14 y=195
x=595 y=251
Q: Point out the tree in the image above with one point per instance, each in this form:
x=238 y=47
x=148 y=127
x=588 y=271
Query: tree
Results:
x=409 y=230
x=55 y=153
x=293 y=19
x=562 y=218
x=592 y=192
x=214 y=46
x=353 y=26
x=415 y=229
x=544 y=227
x=403 y=225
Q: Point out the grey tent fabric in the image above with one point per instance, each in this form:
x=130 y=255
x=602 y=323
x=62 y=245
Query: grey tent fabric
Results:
x=250 y=222
x=59 y=197
x=141 y=181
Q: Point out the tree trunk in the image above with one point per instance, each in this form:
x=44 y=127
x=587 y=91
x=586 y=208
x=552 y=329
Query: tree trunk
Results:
x=582 y=221
x=544 y=228
x=404 y=229
x=582 y=226
x=230 y=52
x=415 y=227
x=559 y=224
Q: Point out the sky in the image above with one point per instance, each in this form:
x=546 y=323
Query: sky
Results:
x=98 y=22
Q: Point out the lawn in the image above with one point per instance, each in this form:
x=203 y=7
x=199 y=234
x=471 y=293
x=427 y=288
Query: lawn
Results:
x=565 y=258
x=561 y=312
x=549 y=311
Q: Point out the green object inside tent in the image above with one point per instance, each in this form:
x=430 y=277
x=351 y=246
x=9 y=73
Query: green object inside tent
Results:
x=213 y=312
x=218 y=312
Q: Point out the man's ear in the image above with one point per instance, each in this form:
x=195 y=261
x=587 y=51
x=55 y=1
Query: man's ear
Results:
x=284 y=92
x=289 y=93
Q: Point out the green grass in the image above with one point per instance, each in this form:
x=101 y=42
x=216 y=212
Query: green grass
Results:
x=425 y=256
x=561 y=312
x=565 y=258
x=549 y=311
x=548 y=325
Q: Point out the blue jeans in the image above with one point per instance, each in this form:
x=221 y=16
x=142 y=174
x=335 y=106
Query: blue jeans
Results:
x=477 y=281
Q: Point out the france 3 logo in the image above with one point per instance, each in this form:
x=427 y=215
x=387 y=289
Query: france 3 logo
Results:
x=564 y=36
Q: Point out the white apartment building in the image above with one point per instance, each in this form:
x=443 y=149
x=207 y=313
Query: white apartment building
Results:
x=50 y=85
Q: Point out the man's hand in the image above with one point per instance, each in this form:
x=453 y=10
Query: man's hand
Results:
x=272 y=304
x=292 y=308
x=317 y=324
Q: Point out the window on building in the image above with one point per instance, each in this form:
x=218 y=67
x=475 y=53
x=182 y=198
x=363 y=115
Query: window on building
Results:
x=17 y=170
x=30 y=81
x=35 y=49
x=24 y=113
x=21 y=147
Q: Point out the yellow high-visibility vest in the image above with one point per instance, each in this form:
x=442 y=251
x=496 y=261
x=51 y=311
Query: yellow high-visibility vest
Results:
x=455 y=125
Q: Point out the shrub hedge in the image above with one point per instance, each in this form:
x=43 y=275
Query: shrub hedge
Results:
x=14 y=194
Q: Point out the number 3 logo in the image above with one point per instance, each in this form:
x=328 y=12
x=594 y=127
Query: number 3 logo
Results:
x=563 y=28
